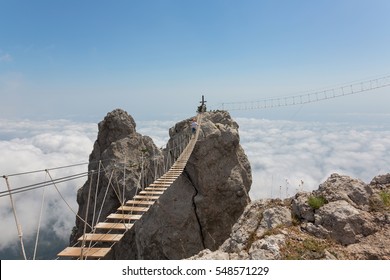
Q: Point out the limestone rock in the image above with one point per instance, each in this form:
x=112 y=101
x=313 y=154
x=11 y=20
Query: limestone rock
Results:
x=274 y=217
x=169 y=230
x=380 y=199
x=381 y=180
x=354 y=223
x=344 y=223
x=118 y=151
x=199 y=209
x=373 y=247
x=301 y=208
x=249 y=238
x=267 y=248
x=207 y=254
x=353 y=191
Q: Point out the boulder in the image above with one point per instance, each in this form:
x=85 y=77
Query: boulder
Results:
x=252 y=236
x=267 y=248
x=343 y=222
x=300 y=207
x=341 y=187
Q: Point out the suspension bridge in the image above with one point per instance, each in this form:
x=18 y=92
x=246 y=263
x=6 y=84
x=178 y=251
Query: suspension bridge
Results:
x=310 y=97
x=129 y=213
x=99 y=239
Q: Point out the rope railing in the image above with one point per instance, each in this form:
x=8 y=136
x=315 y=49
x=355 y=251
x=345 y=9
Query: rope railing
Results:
x=310 y=97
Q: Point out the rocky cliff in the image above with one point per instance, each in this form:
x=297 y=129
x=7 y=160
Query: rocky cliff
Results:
x=197 y=212
x=120 y=157
x=343 y=219
x=200 y=208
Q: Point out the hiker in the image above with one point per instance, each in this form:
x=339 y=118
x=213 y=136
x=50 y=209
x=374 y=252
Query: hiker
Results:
x=194 y=125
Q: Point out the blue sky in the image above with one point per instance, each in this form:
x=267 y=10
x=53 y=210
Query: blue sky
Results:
x=81 y=59
x=78 y=60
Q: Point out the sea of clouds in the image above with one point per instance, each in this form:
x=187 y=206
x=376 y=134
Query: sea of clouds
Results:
x=286 y=157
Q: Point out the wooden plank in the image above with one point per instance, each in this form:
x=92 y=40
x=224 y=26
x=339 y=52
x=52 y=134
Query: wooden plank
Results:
x=172 y=180
x=144 y=197
x=101 y=237
x=86 y=252
x=124 y=217
x=116 y=226
x=133 y=208
x=155 y=188
x=163 y=182
x=159 y=185
x=139 y=202
x=150 y=192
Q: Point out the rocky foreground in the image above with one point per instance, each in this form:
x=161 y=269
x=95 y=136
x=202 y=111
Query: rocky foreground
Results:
x=344 y=219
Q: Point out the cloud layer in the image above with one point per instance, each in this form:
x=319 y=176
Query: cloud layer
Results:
x=285 y=157
x=28 y=146
x=290 y=156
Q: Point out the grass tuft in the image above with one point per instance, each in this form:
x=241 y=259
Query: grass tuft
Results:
x=316 y=202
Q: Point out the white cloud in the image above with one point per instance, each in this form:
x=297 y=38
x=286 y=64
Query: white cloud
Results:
x=283 y=153
x=158 y=130
x=30 y=145
x=288 y=156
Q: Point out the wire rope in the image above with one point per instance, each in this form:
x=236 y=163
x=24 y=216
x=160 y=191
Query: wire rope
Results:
x=311 y=97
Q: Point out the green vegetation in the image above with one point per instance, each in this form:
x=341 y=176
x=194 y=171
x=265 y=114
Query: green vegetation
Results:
x=316 y=202
x=385 y=196
x=308 y=249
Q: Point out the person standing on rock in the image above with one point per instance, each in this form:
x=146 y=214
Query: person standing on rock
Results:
x=194 y=126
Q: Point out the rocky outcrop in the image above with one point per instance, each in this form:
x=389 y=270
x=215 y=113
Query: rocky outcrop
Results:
x=196 y=212
x=201 y=206
x=118 y=152
x=344 y=219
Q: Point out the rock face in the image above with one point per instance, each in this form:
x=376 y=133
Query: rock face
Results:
x=200 y=208
x=196 y=212
x=344 y=219
x=118 y=151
